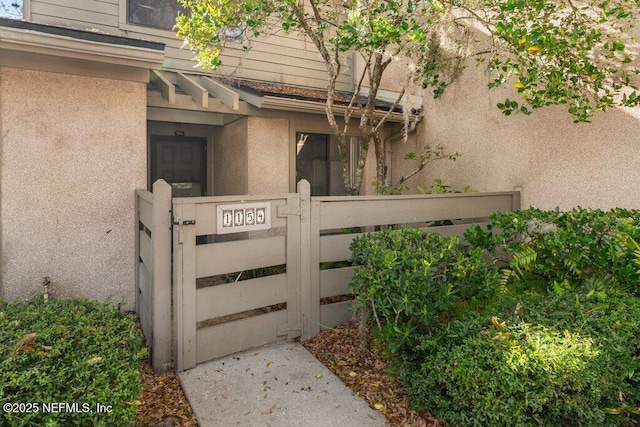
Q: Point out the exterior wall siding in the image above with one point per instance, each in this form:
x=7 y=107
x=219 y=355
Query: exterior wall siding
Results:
x=230 y=159
x=72 y=152
x=278 y=58
x=554 y=162
x=268 y=159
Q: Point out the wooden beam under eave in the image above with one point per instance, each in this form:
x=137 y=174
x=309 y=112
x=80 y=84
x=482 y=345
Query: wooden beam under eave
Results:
x=229 y=97
x=199 y=94
x=167 y=88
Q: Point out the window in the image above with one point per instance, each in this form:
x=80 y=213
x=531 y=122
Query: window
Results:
x=318 y=161
x=154 y=13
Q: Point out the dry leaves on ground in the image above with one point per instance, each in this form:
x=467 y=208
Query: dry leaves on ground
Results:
x=163 y=401
x=342 y=351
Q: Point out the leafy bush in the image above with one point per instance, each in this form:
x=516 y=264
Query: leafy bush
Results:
x=547 y=360
x=410 y=280
x=75 y=352
x=583 y=249
x=549 y=336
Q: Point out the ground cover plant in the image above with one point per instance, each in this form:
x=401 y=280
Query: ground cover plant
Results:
x=533 y=321
x=68 y=362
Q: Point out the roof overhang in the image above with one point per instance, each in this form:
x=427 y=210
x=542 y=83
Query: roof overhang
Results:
x=48 y=48
x=306 y=106
x=196 y=98
x=277 y=96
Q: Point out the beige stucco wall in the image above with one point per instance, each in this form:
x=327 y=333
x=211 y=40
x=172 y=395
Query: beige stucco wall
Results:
x=73 y=150
x=554 y=161
x=268 y=155
x=230 y=159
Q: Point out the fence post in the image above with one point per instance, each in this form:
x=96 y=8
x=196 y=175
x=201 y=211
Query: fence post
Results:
x=310 y=261
x=161 y=297
x=304 y=189
x=184 y=284
x=516 y=201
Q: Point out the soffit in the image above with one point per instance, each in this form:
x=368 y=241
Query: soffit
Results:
x=42 y=47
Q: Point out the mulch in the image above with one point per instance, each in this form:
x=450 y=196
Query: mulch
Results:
x=349 y=354
x=163 y=402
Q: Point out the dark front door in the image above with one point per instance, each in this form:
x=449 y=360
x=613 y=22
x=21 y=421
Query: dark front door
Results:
x=181 y=161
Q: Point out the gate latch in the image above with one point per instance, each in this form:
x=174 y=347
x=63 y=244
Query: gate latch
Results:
x=188 y=222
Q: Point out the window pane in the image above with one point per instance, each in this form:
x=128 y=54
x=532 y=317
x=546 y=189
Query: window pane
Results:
x=335 y=173
x=318 y=161
x=154 y=13
x=311 y=161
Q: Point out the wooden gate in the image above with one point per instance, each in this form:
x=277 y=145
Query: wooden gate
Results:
x=216 y=312
x=292 y=248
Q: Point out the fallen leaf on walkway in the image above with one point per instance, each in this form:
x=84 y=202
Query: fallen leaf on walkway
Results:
x=270 y=411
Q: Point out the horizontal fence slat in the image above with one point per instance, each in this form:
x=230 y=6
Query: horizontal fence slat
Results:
x=145 y=195
x=230 y=298
x=332 y=315
x=206 y=212
x=239 y=255
x=145 y=281
x=452 y=230
x=335 y=281
x=228 y=338
x=145 y=318
x=145 y=211
x=336 y=247
x=146 y=251
x=339 y=212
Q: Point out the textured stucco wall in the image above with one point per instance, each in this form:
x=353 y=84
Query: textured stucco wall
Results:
x=73 y=150
x=230 y=159
x=268 y=155
x=554 y=161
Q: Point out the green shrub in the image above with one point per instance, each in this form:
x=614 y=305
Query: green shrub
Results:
x=550 y=336
x=410 y=280
x=75 y=352
x=583 y=249
x=553 y=361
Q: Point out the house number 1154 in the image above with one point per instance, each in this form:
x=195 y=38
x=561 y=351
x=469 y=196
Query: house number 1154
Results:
x=243 y=217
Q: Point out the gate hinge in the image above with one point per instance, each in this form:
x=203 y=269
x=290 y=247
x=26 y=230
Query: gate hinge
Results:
x=285 y=329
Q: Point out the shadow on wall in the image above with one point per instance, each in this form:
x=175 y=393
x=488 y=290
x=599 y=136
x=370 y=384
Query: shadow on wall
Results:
x=554 y=161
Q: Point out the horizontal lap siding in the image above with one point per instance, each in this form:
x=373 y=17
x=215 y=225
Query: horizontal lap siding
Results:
x=78 y=14
x=278 y=58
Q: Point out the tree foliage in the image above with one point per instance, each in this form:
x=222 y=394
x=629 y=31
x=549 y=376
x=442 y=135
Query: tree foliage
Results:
x=552 y=52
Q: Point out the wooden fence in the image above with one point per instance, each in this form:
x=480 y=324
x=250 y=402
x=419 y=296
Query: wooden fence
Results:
x=305 y=247
x=153 y=271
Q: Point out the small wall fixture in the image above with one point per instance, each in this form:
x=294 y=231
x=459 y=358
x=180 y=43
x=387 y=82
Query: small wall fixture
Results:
x=46 y=281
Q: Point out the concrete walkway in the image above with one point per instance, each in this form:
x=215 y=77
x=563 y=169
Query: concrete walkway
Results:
x=276 y=385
